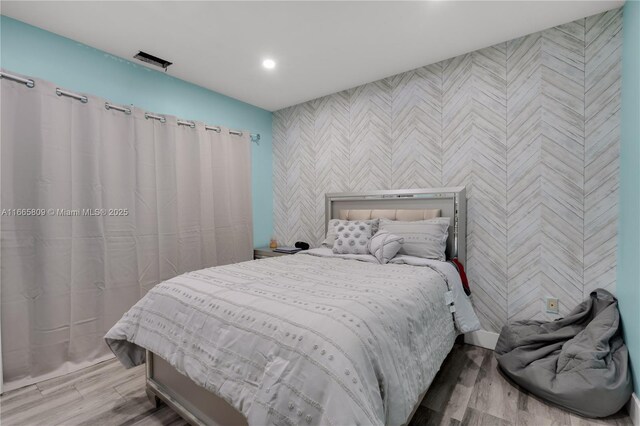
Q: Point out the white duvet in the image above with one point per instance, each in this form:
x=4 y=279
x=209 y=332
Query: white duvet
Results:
x=300 y=339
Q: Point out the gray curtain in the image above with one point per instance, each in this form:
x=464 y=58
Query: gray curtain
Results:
x=135 y=201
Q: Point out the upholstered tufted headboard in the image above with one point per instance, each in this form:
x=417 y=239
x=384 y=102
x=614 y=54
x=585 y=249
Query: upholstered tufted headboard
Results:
x=406 y=204
x=391 y=214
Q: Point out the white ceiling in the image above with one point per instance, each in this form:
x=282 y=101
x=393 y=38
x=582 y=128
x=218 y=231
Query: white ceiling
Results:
x=320 y=47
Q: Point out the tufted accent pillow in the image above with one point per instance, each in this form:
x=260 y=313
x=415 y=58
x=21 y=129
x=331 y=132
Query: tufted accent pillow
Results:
x=384 y=246
x=352 y=237
x=331 y=230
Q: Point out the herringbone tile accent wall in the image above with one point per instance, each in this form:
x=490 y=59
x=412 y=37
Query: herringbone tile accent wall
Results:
x=474 y=142
x=416 y=135
x=370 y=147
x=332 y=153
x=545 y=150
x=530 y=127
x=603 y=44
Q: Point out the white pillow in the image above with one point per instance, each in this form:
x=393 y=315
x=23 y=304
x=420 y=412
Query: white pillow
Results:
x=330 y=238
x=422 y=238
x=352 y=237
x=384 y=246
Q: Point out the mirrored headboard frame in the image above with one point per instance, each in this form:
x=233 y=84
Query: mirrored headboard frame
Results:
x=452 y=201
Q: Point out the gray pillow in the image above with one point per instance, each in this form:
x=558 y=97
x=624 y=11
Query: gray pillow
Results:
x=330 y=238
x=384 y=246
x=352 y=237
x=422 y=238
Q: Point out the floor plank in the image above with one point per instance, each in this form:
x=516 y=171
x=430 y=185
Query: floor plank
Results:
x=164 y=416
x=452 y=388
x=468 y=390
x=619 y=419
x=531 y=407
x=44 y=410
x=20 y=397
x=473 y=417
x=427 y=417
x=102 y=369
x=492 y=393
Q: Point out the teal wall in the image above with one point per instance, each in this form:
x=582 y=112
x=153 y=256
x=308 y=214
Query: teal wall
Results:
x=628 y=285
x=31 y=51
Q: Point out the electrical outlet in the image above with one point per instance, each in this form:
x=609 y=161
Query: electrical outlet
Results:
x=553 y=305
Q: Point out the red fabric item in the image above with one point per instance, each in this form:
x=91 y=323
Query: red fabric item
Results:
x=463 y=275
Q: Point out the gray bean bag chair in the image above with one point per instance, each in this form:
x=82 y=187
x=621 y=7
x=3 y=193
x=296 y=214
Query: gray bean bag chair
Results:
x=579 y=362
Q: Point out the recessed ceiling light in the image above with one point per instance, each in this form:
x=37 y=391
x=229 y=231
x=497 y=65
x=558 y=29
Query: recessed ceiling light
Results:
x=269 y=64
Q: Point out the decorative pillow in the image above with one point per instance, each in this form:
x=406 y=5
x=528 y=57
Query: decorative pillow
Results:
x=384 y=246
x=422 y=238
x=352 y=237
x=331 y=233
x=330 y=238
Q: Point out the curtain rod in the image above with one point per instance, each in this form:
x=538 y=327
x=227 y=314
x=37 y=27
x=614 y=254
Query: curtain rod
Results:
x=28 y=82
x=255 y=137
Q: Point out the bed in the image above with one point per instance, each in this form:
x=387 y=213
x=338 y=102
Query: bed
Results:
x=312 y=338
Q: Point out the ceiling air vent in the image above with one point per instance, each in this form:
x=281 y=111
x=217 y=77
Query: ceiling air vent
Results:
x=153 y=60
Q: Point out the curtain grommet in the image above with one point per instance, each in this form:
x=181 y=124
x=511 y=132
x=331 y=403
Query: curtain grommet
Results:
x=80 y=98
x=108 y=106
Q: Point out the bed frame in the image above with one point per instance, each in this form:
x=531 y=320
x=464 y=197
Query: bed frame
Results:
x=451 y=201
x=198 y=406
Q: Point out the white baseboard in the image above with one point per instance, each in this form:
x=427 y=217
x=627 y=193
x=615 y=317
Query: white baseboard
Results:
x=633 y=407
x=482 y=338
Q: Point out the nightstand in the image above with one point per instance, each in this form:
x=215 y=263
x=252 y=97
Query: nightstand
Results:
x=264 y=252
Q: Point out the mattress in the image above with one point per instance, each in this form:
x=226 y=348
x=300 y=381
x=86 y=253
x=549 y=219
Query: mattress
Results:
x=299 y=339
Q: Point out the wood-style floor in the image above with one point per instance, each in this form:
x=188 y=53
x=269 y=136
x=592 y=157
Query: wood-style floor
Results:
x=468 y=390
